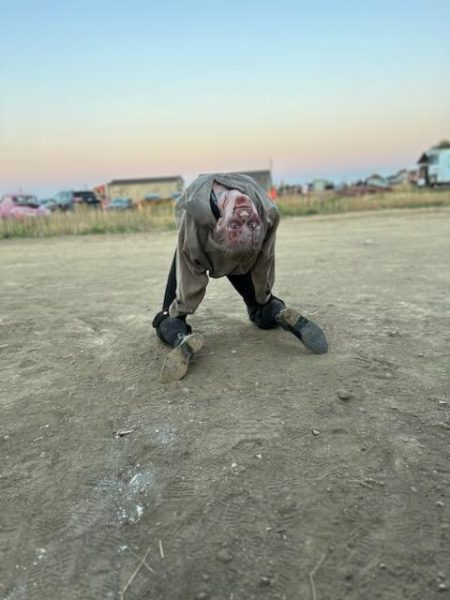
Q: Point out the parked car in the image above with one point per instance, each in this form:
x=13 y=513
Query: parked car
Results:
x=86 y=197
x=48 y=203
x=21 y=206
x=120 y=204
x=63 y=201
x=67 y=200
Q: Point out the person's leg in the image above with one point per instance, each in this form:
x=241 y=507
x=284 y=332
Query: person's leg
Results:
x=170 y=330
x=243 y=284
x=171 y=285
x=263 y=316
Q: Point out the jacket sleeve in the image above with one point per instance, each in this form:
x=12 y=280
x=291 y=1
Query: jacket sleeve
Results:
x=263 y=271
x=192 y=278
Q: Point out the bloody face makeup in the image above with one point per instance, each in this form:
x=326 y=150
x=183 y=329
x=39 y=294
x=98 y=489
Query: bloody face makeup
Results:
x=239 y=223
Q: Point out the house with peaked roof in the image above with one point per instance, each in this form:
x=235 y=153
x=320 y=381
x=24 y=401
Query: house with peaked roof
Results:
x=434 y=166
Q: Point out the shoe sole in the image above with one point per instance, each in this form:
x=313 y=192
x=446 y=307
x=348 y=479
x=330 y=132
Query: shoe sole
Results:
x=177 y=362
x=308 y=333
x=289 y=316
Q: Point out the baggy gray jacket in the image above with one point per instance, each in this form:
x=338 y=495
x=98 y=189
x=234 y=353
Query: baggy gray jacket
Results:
x=199 y=258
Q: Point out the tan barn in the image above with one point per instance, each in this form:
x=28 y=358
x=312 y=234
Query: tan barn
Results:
x=146 y=188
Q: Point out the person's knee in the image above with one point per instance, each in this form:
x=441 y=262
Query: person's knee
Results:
x=170 y=330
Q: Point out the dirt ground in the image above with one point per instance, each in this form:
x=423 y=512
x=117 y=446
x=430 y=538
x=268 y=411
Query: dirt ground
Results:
x=268 y=472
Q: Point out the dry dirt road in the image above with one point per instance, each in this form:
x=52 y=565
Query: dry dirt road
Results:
x=267 y=472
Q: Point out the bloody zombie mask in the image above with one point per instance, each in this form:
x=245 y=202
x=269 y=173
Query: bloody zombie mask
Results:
x=239 y=225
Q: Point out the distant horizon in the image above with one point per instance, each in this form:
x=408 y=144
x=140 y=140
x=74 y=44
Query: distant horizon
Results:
x=288 y=178
x=96 y=90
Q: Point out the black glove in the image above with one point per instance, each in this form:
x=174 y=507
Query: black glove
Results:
x=171 y=330
x=264 y=315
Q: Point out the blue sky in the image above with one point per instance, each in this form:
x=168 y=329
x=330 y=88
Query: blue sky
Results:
x=96 y=90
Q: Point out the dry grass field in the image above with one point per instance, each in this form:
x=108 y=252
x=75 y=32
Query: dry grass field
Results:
x=331 y=203
x=84 y=221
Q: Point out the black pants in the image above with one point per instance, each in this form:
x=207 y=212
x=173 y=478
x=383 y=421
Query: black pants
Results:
x=170 y=330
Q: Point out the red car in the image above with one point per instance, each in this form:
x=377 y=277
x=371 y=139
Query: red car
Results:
x=21 y=206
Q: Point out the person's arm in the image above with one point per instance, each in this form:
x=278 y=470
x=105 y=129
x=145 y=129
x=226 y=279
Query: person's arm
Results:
x=192 y=278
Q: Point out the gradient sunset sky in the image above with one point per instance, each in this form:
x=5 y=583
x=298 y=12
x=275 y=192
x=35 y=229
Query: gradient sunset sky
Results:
x=94 y=90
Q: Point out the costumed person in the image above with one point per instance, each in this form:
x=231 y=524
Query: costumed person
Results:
x=226 y=228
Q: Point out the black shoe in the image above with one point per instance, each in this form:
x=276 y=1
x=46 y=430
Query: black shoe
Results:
x=306 y=331
x=177 y=362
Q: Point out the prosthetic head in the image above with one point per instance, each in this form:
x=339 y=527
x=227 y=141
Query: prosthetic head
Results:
x=239 y=227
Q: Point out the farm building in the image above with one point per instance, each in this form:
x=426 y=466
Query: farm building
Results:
x=150 y=188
